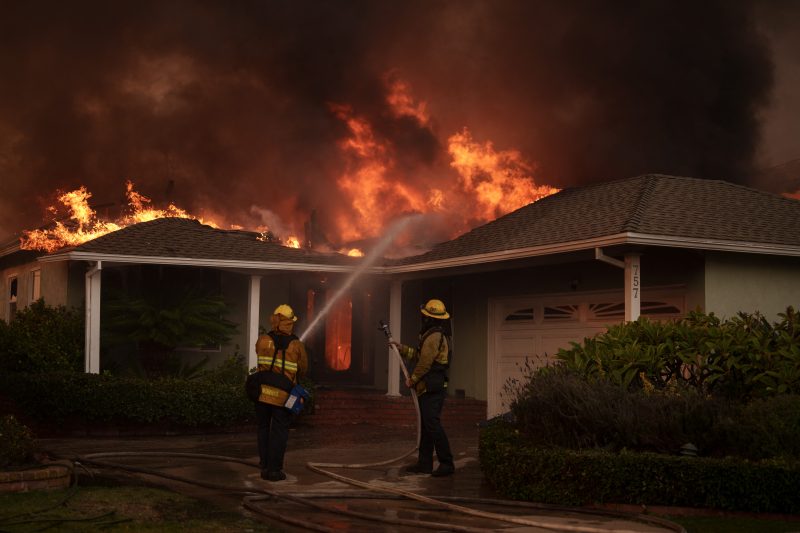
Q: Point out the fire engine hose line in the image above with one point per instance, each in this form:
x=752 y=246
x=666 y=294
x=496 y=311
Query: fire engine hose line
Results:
x=253 y=495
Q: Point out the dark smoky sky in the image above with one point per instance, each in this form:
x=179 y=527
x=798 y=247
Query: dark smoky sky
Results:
x=231 y=101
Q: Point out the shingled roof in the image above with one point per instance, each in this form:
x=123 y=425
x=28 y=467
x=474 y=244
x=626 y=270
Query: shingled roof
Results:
x=651 y=210
x=650 y=205
x=179 y=238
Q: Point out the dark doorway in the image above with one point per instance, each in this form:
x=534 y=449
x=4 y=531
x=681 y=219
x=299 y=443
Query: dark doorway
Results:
x=338 y=347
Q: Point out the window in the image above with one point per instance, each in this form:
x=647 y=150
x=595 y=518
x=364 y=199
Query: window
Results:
x=36 y=284
x=607 y=311
x=561 y=313
x=648 y=308
x=12 y=297
x=521 y=315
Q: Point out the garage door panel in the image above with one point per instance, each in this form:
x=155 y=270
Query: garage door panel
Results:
x=538 y=326
x=551 y=342
x=518 y=346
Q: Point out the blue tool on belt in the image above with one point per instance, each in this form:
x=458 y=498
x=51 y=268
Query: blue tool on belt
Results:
x=298 y=396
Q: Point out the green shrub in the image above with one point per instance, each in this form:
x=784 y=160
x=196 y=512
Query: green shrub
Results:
x=571 y=477
x=558 y=408
x=64 y=397
x=16 y=443
x=232 y=371
x=764 y=428
x=43 y=339
x=740 y=358
x=215 y=398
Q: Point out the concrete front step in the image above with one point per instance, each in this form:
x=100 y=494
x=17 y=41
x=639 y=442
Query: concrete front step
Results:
x=342 y=407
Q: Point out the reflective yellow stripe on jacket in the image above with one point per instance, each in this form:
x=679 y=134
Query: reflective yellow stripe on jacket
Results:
x=293 y=364
x=286 y=365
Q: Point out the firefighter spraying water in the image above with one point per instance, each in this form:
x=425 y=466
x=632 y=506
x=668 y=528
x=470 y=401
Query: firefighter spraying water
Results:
x=429 y=382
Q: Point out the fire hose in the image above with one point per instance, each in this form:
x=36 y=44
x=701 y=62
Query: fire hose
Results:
x=253 y=495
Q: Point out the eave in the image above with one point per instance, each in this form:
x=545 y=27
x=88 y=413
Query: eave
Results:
x=188 y=261
x=625 y=238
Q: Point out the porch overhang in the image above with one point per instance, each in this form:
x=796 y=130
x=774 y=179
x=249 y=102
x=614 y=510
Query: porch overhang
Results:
x=200 y=262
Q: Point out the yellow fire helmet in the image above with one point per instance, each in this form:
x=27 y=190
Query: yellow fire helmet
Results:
x=435 y=309
x=286 y=311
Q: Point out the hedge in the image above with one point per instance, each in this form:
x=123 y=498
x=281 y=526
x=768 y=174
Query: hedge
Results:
x=579 y=477
x=61 y=397
x=558 y=408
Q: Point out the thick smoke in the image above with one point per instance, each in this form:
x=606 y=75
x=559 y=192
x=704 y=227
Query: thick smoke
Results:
x=225 y=107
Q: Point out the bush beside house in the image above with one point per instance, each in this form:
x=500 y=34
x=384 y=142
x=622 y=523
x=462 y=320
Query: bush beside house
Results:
x=42 y=339
x=609 y=422
x=42 y=378
x=17 y=445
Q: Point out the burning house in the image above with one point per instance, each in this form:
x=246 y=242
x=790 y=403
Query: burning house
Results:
x=519 y=287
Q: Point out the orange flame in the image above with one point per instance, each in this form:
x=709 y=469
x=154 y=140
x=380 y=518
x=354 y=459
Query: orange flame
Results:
x=402 y=102
x=500 y=180
x=489 y=182
x=367 y=181
x=481 y=183
x=86 y=226
x=355 y=252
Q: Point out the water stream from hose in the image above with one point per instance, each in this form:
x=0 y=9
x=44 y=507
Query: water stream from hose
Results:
x=392 y=232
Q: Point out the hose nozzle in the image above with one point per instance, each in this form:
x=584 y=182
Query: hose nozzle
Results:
x=385 y=327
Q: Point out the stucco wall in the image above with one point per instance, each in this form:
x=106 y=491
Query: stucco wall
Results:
x=53 y=284
x=750 y=282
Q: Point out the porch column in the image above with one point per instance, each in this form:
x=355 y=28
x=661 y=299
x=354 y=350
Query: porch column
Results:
x=633 y=285
x=253 y=307
x=92 y=335
x=395 y=314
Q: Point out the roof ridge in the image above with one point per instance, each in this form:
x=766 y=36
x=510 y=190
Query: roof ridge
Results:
x=642 y=201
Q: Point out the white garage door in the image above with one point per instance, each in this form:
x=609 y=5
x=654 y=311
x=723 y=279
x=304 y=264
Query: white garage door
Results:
x=528 y=331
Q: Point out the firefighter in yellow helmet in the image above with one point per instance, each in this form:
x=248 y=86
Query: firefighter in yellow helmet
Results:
x=283 y=357
x=429 y=380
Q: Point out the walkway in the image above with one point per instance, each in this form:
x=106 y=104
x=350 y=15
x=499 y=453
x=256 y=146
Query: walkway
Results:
x=343 y=444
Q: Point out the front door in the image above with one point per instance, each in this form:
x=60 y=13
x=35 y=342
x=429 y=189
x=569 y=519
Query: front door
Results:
x=338 y=345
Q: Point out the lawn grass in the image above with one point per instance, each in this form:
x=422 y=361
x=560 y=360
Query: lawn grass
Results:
x=710 y=524
x=95 y=508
